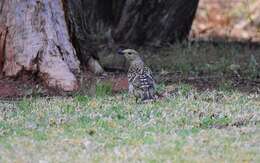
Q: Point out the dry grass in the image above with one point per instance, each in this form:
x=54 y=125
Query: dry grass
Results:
x=211 y=126
x=214 y=125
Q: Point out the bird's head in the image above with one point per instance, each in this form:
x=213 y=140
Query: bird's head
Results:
x=130 y=54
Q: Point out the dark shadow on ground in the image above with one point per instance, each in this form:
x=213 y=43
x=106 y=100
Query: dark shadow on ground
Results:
x=172 y=65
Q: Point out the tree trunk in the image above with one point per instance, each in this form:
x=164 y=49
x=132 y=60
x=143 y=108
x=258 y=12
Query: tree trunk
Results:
x=100 y=24
x=3 y=32
x=154 y=22
x=34 y=37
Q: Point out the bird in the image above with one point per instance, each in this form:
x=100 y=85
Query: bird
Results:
x=141 y=83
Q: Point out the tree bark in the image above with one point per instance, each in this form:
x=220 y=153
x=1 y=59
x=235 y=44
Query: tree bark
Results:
x=101 y=24
x=37 y=40
x=154 y=22
x=3 y=32
x=36 y=35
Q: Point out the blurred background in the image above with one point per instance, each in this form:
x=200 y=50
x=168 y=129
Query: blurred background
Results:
x=227 y=20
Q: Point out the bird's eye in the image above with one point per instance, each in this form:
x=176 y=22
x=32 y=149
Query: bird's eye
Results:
x=129 y=53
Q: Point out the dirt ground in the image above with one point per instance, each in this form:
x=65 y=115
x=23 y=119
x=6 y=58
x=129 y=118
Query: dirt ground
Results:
x=28 y=85
x=15 y=89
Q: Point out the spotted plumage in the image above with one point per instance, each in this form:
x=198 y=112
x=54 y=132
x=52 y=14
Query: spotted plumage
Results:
x=140 y=79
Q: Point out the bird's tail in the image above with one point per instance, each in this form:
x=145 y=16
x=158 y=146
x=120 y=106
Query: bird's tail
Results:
x=148 y=95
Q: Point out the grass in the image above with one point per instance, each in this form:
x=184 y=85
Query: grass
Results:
x=201 y=58
x=192 y=125
x=210 y=126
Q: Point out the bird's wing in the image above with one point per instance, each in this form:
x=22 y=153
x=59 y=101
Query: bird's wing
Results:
x=141 y=78
x=133 y=73
x=148 y=73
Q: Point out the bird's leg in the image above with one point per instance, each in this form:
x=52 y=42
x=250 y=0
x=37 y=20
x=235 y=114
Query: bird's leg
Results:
x=130 y=88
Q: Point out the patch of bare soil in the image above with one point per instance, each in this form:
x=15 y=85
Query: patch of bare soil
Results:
x=117 y=80
x=15 y=89
x=9 y=89
x=26 y=86
x=23 y=86
x=203 y=83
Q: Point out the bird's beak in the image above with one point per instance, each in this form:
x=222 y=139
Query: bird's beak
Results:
x=120 y=52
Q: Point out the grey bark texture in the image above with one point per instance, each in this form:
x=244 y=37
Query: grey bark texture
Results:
x=37 y=35
x=3 y=32
x=100 y=25
x=37 y=40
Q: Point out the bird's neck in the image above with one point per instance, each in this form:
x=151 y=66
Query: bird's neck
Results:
x=138 y=62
